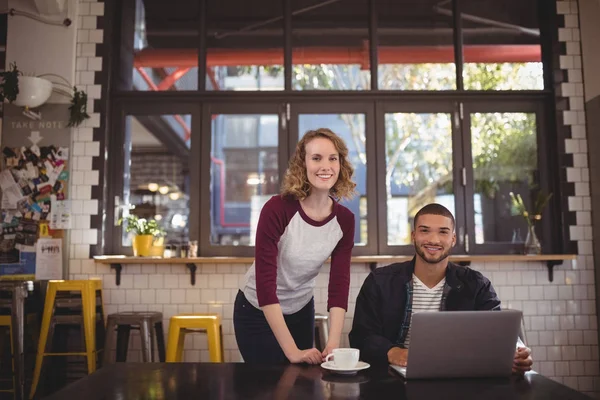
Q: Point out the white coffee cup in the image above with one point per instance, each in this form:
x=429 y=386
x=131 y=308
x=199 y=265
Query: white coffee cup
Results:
x=346 y=358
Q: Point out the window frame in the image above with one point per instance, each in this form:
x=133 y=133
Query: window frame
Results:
x=197 y=103
x=116 y=167
x=425 y=106
x=205 y=248
x=551 y=241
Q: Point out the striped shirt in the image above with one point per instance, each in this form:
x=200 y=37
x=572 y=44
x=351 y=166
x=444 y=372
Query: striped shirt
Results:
x=425 y=300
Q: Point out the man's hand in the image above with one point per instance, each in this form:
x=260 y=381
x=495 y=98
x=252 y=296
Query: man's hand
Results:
x=397 y=356
x=522 y=362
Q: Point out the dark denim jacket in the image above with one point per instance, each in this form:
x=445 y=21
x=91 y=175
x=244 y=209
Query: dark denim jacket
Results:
x=384 y=305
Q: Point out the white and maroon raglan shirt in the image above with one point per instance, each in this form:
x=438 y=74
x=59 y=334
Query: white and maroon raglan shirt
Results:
x=290 y=250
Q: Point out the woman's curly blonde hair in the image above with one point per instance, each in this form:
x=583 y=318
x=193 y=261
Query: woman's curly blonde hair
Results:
x=295 y=181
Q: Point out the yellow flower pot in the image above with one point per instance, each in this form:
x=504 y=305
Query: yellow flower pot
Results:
x=142 y=245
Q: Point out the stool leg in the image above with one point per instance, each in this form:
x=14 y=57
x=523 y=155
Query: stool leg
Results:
x=122 y=342
x=173 y=343
x=180 y=345
x=152 y=341
x=215 y=346
x=160 y=341
x=146 y=340
x=109 y=339
x=48 y=311
x=100 y=326
x=89 y=325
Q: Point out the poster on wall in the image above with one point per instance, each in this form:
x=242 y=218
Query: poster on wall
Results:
x=34 y=176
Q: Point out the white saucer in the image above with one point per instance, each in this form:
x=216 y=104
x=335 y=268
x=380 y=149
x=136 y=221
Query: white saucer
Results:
x=329 y=365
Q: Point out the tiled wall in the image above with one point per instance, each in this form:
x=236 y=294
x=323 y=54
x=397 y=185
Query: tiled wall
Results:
x=85 y=145
x=560 y=316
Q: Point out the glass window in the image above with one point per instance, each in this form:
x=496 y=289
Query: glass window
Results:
x=244 y=174
x=501 y=45
x=504 y=148
x=157 y=176
x=244 y=45
x=416 y=50
x=330 y=45
x=160 y=52
x=351 y=128
x=418 y=150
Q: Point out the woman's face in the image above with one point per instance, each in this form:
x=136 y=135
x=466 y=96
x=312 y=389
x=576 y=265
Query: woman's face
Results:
x=322 y=164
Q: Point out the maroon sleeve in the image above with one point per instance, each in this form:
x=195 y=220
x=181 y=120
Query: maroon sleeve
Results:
x=271 y=225
x=339 y=276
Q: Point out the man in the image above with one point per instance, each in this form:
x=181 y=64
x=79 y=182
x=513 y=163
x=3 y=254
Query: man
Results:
x=429 y=282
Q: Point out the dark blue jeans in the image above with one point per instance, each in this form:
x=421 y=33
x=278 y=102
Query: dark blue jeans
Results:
x=256 y=341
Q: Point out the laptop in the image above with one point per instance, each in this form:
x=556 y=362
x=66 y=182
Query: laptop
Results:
x=462 y=344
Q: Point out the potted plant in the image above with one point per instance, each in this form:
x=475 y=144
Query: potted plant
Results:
x=37 y=90
x=9 y=86
x=145 y=232
x=532 y=243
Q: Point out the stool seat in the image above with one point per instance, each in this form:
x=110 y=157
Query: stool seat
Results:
x=150 y=325
x=180 y=325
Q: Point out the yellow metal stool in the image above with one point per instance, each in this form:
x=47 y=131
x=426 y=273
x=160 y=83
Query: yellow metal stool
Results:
x=5 y=321
x=88 y=289
x=179 y=325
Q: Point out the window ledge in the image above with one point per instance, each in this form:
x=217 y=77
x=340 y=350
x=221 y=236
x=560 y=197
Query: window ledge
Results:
x=356 y=260
x=116 y=262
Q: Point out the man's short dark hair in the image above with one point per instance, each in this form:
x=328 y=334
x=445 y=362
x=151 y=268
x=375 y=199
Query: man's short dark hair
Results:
x=434 y=209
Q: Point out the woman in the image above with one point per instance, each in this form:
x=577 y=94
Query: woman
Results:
x=297 y=232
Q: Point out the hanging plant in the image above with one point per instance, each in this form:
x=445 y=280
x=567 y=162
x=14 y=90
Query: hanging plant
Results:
x=9 y=87
x=78 y=108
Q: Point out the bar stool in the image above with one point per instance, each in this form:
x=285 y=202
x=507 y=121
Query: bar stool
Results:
x=5 y=321
x=90 y=290
x=321 y=331
x=18 y=290
x=180 y=325
x=150 y=326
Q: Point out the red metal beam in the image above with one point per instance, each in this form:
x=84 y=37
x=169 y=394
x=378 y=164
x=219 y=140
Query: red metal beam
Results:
x=215 y=160
x=188 y=58
x=152 y=85
x=171 y=79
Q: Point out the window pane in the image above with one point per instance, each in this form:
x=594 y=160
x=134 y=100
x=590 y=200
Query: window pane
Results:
x=418 y=151
x=504 y=160
x=416 y=50
x=157 y=179
x=244 y=174
x=351 y=128
x=501 y=45
x=245 y=45
x=160 y=53
x=330 y=45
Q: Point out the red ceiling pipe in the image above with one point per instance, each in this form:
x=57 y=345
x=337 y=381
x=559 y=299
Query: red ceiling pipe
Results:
x=187 y=58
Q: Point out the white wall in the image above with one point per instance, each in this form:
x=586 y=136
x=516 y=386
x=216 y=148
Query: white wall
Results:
x=39 y=48
x=589 y=15
x=70 y=52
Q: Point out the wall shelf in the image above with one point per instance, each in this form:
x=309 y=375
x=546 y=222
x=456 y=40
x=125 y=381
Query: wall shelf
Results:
x=116 y=262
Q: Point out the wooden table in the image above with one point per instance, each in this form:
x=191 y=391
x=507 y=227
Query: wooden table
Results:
x=182 y=381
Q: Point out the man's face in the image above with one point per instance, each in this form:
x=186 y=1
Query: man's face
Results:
x=433 y=237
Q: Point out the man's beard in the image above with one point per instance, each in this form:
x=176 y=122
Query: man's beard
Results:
x=427 y=258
